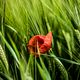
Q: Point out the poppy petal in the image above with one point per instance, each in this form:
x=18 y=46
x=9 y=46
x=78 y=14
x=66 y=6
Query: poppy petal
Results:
x=44 y=43
x=47 y=43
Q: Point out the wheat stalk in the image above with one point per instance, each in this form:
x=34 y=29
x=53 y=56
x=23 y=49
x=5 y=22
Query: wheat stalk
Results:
x=3 y=57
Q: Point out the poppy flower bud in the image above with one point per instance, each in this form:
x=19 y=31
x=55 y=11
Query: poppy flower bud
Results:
x=40 y=44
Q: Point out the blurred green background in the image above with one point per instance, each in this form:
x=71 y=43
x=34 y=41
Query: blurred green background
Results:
x=22 y=19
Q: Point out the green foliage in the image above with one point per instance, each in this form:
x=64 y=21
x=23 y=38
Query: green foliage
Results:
x=3 y=58
x=44 y=73
x=22 y=19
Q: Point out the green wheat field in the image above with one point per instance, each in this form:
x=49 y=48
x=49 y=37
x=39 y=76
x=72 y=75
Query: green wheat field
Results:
x=22 y=19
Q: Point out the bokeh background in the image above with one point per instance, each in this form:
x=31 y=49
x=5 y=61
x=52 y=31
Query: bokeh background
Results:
x=22 y=19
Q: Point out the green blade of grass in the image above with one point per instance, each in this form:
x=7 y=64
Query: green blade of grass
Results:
x=45 y=70
x=10 y=48
x=60 y=66
x=6 y=76
x=42 y=73
x=14 y=46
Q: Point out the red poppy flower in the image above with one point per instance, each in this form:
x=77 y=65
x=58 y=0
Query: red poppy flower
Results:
x=40 y=44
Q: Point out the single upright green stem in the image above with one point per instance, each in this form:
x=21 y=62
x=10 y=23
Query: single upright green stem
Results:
x=35 y=76
x=3 y=16
x=2 y=19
